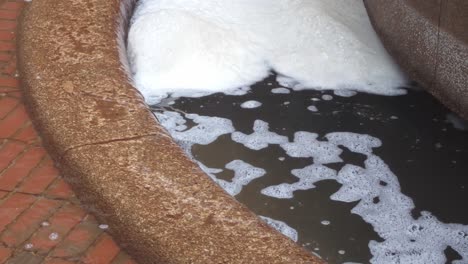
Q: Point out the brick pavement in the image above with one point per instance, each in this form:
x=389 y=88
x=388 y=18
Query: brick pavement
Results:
x=41 y=220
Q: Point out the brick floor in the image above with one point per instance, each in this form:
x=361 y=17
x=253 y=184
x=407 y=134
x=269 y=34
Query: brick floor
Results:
x=41 y=221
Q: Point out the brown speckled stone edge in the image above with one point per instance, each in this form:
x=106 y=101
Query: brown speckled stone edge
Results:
x=124 y=167
x=429 y=39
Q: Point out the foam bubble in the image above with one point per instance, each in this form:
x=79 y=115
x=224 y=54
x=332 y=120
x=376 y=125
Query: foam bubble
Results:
x=282 y=227
x=251 y=104
x=280 y=90
x=260 y=138
x=312 y=108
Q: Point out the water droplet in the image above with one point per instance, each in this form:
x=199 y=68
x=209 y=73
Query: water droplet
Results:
x=53 y=236
x=103 y=226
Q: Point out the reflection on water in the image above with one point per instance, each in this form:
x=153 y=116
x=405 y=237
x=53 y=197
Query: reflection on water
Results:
x=345 y=187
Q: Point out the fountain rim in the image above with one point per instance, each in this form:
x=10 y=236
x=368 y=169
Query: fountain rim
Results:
x=111 y=149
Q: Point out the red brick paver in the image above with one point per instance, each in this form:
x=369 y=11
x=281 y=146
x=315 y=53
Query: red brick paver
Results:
x=41 y=221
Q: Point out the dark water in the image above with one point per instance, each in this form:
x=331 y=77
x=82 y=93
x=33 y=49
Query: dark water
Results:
x=426 y=152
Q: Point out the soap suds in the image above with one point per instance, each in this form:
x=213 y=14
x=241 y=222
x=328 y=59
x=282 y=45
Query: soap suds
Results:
x=282 y=227
x=306 y=145
x=260 y=138
x=251 y=104
x=195 y=48
x=312 y=108
x=307 y=177
x=244 y=173
x=280 y=90
x=344 y=93
x=207 y=130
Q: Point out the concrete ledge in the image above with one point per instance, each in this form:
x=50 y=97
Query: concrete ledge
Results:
x=119 y=160
x=429 y=39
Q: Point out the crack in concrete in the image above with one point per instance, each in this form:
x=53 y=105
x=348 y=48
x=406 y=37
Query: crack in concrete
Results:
x=105 y=142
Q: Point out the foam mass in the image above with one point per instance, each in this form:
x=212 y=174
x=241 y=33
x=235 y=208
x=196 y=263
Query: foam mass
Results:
x=184 y=47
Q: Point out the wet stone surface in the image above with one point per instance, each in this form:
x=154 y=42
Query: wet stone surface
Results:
x=410 y=142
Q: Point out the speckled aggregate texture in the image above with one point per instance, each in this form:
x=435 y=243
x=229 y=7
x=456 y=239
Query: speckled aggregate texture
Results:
x=429 y=40
x=120 y=162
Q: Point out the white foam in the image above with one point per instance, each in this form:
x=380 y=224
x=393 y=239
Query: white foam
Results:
x=207 y=130
x=209 y=171
x=244 y=173
x=280 y=90
x=251 y=104
x=282 y=227
x=382 y=204
x=306 y=145
x=238 y=91
x=359 y=143
x=312 y=108
x=185 y=46
x=344 y=93
x=307 y=177
x=171 y=121
x=260 y=138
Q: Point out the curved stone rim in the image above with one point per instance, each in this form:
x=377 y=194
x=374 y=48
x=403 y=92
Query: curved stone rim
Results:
x=121 y=163
x=428 y=38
